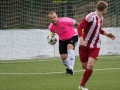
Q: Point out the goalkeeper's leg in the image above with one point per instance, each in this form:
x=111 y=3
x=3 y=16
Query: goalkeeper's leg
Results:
x=65 y=60
x=69 y=64
x=71 y=56
x=70 y=50
x=66 y=50
x=64 y=55
x=63 y=52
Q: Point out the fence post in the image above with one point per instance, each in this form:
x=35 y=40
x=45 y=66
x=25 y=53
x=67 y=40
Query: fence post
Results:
x=117 y=13
x=2 y=15
x=31 y=14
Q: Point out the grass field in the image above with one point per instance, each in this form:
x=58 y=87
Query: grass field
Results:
x=49 y=74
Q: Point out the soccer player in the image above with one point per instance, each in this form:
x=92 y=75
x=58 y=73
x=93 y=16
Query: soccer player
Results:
x=89 y=31
x=68 y=38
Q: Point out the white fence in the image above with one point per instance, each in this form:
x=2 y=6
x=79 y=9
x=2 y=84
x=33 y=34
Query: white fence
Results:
x=32 y=43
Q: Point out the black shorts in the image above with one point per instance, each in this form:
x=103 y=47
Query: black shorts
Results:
x=63 y=44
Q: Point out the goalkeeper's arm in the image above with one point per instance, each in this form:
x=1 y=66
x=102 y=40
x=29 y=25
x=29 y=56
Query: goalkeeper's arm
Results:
x=52 y=34
x=76 y=23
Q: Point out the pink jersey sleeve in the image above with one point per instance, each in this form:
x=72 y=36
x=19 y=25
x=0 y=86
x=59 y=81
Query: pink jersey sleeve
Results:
x=68 y=20
x=51 y=27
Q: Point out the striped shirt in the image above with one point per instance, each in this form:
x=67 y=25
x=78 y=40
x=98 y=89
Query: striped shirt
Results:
x=91 y=28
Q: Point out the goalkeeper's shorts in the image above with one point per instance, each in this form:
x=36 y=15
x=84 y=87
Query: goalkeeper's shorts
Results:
x=63 y=44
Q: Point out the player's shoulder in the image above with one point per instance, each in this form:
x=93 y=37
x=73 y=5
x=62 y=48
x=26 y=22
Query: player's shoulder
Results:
x=65 y=19
x=90 y=16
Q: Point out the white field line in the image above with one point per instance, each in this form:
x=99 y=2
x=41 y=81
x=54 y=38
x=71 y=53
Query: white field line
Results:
x=57 y=72
x=51 y=59
x=29 y=61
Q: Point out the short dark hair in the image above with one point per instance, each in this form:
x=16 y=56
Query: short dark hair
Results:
x=51 y=12
x=101 y=5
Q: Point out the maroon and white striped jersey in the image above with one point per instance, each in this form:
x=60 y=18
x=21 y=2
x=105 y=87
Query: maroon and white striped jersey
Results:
x=91 y=28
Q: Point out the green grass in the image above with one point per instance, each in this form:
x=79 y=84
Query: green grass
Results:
x=35 y=74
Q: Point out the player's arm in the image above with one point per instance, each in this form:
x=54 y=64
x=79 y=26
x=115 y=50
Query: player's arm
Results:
x=76 y=23
x=51 y=30
x=110 y=35
x=81 y=27
x=70 y=21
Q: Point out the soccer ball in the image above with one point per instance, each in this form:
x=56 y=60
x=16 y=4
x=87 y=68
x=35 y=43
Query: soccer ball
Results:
x=52 y=39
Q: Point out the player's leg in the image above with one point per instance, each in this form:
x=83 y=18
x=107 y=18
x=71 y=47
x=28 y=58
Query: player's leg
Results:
x=65 y=59
x=93 y=54
x=84 y=65
x=83 y=54
x=63 y=52
x=71 y=56
x=88 y=71
x=88 y=66
x=70 y=50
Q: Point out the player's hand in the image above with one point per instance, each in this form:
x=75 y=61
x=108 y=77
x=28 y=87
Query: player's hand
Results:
x=110 y=35
x=52 y=34
x=82 y=43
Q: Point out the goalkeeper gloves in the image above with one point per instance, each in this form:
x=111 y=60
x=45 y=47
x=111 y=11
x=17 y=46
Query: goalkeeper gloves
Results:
x=52 y=34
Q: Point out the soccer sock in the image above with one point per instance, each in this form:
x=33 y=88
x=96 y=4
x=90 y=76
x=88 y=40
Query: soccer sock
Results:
x=71 y=57
x=66 y=62
x=86 y=76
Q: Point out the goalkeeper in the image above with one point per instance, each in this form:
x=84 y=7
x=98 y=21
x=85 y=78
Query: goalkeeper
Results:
x=68 y=38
